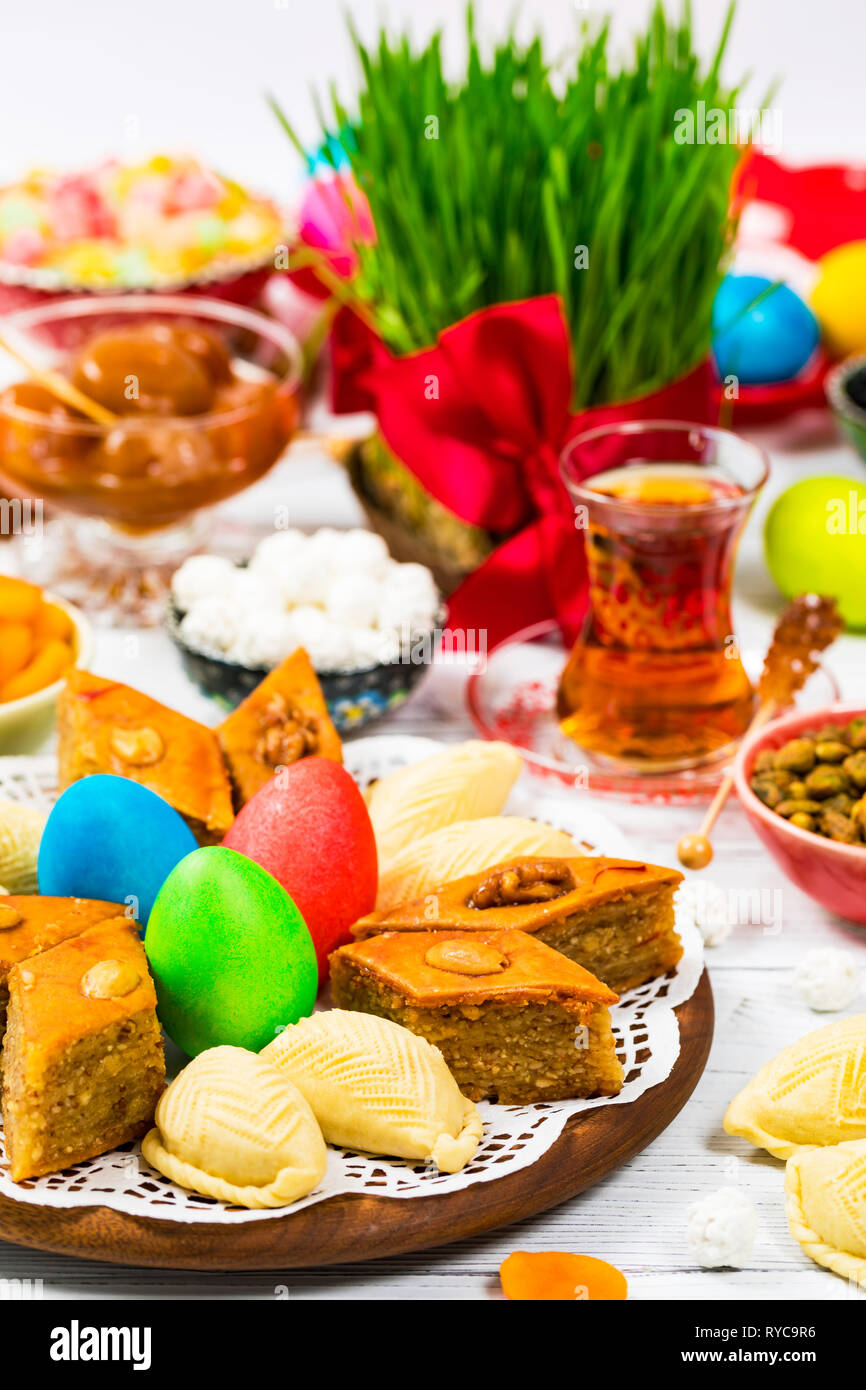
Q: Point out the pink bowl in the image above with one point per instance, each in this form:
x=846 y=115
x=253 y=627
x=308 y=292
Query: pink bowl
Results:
x=832 y=873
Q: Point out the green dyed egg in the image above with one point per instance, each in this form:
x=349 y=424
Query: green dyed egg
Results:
x=230 y=953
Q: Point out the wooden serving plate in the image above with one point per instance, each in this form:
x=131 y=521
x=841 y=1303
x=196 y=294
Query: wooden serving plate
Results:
x=350 y=1227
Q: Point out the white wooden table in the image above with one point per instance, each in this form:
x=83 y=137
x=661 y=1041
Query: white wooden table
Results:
x=636 y=1219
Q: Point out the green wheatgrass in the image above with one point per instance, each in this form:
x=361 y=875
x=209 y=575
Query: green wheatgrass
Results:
x=532 y=162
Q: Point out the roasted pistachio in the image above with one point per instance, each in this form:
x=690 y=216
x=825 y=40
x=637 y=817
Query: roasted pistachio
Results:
x=823 y=782
x=767 y=791
x=855 y=767
x=838 y=827
x=805 y=806
x=797 y=755
x=765 y=761
x=818 y=781
x=828 y=732
x=831 y=751
x=855 y=734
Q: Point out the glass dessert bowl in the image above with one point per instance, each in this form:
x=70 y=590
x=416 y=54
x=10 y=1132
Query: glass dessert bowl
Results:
x=202 y=399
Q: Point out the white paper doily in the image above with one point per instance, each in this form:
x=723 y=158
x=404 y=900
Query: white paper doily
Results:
x=644 y=1025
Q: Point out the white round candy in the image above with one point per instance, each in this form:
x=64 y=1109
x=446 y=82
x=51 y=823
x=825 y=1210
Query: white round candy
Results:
x=361 y=552
x=370 y=647
x=254 y=592
x=409 y=600
x=264 y=639
x=212 y=624
x=328 y=645
x=706 y=904
x=721 y=1229
x=827 y=979
x=353 y=600
x=275 y=551
x=201 y=576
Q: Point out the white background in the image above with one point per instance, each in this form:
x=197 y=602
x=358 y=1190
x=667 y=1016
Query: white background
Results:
x=82 y=79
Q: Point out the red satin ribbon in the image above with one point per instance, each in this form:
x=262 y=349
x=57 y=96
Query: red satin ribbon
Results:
x=480 y=419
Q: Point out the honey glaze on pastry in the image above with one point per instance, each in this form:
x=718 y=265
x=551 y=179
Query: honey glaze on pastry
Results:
x=83 y=1054
x=234 y=1127
x=615 y=917
x=377 y=1087
x=467 y=782
x=466 y=847
x=283 y=720
x=515 y=1021
x=825 y=1202
x=104 y=726
x=812 y=1093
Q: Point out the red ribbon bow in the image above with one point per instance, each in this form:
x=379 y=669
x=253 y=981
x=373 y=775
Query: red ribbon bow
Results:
x=480 y=420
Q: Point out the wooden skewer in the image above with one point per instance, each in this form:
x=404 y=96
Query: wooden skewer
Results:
x=696 y=851
x=62 y=388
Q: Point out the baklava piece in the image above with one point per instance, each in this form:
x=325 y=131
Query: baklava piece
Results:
x=615 y=917
x=108 y=727
x=284 y=719
x=30 y=924
x=84 y=1062
x=515 y=1021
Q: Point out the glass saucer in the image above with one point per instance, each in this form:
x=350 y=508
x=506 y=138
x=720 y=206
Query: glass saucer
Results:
x=512 y=697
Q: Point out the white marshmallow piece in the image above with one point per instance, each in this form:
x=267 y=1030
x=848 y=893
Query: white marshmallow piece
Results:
x=201 y=576
x=721 y=1229
x=212 y=624
x=264 y=639
x=353 y=600
x=827 y=979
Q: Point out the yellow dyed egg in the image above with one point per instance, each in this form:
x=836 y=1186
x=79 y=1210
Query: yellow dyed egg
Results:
x=839 y=298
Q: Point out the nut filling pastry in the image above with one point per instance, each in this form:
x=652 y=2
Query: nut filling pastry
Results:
x=515 y=1021
x=108 y=727
x=30 y=924
x=283 y=720
x=84 y=1064
x=615 y=917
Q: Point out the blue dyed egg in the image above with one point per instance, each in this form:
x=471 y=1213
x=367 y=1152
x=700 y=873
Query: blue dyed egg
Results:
x=107 y=837
x=763 y=342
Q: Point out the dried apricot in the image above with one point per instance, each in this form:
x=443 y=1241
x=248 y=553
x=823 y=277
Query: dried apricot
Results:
x=46 y=667
x=16 y=649
x=559 y=1276
x=19 y=601
x=52 y=621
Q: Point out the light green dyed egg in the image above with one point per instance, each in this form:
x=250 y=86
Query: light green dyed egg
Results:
x=230 y=953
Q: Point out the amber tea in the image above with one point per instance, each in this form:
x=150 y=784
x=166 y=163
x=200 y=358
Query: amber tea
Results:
x=655 y=678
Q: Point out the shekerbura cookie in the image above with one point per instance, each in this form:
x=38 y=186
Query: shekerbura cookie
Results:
x=376 y=1087
x=233 y=1126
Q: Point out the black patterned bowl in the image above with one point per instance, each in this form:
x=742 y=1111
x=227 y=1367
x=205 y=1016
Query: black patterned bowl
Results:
x=354 y=697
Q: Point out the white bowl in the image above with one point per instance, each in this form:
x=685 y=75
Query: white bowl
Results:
x=26 y=723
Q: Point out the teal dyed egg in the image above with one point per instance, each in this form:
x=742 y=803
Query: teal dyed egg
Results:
x=230 y=953
x=762 y=332
x=107 y=837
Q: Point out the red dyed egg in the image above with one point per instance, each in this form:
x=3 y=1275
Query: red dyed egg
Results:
x=309 y=827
